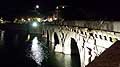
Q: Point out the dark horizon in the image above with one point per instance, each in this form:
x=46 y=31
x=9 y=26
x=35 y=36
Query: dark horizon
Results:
x=79 y=8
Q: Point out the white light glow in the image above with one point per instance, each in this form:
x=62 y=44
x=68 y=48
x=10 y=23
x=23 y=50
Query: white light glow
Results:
x=23 y=19
x=55 y=18
x=38 y=19
x=34 y=24
x=57 y=7
x=29 y=19
x=63 y=6
x=50 y=19
x=37 y=6
x=37 y=51
x=28 y=37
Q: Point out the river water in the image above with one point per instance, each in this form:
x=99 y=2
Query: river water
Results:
x=15 y=51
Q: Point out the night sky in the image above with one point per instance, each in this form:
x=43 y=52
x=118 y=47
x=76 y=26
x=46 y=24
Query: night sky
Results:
x=94 y=8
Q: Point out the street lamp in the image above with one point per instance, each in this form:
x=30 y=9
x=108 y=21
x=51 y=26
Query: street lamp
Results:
x=63 y=7
x=37 y=6
x=57 y=10
x=34 y=24
x=57 y=7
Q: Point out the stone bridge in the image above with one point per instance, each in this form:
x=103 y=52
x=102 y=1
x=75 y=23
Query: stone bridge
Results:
x=88 y=39
x=87 y=42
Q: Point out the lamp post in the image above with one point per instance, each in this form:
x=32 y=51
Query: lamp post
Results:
x=36 y=7
x=57 y=8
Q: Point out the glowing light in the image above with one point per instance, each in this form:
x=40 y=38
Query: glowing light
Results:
x=2 y=35
x=34 y=24
x=50 y=19
x=23 y=19
x=37 y=51
x=28 y=37
x=38 y=19
x=2 y=22
x=57 y=7
x=54 y=18
x=37 y=6
x=28 y=19
x=63 y=6
x=35 y=42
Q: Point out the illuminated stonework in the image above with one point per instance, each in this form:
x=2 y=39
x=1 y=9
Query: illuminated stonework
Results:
x=90 y=43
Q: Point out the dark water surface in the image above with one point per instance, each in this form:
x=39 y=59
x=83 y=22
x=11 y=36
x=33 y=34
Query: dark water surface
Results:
x=16 y=51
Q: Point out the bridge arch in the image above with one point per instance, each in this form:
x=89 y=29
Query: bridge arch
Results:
x=75 y=51
x=74 y=47
x=56 y=40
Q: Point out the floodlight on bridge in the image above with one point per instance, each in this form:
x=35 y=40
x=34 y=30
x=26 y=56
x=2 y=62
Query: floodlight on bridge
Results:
x=34 y=24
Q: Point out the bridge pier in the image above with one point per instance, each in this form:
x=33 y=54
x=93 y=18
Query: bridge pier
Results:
x=2 y=35
x=67 y=47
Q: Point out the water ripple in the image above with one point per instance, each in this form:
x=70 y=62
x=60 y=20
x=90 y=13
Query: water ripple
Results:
x=37 y=51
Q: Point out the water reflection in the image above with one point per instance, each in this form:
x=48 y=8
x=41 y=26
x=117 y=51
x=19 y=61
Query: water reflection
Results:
x=37 y=51
x=59 y=60
x=63 y=60
x=2 y=35
x=40 y=53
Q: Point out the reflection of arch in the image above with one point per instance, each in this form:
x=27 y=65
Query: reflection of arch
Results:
x=56 y=40
x=74 y=48
x=47 y=37
x=75 y=52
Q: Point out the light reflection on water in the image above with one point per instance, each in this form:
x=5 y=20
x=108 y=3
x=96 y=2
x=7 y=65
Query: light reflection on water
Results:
x=43 y=57
x=37 y=51
x=39 y=54
x=63 y=60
